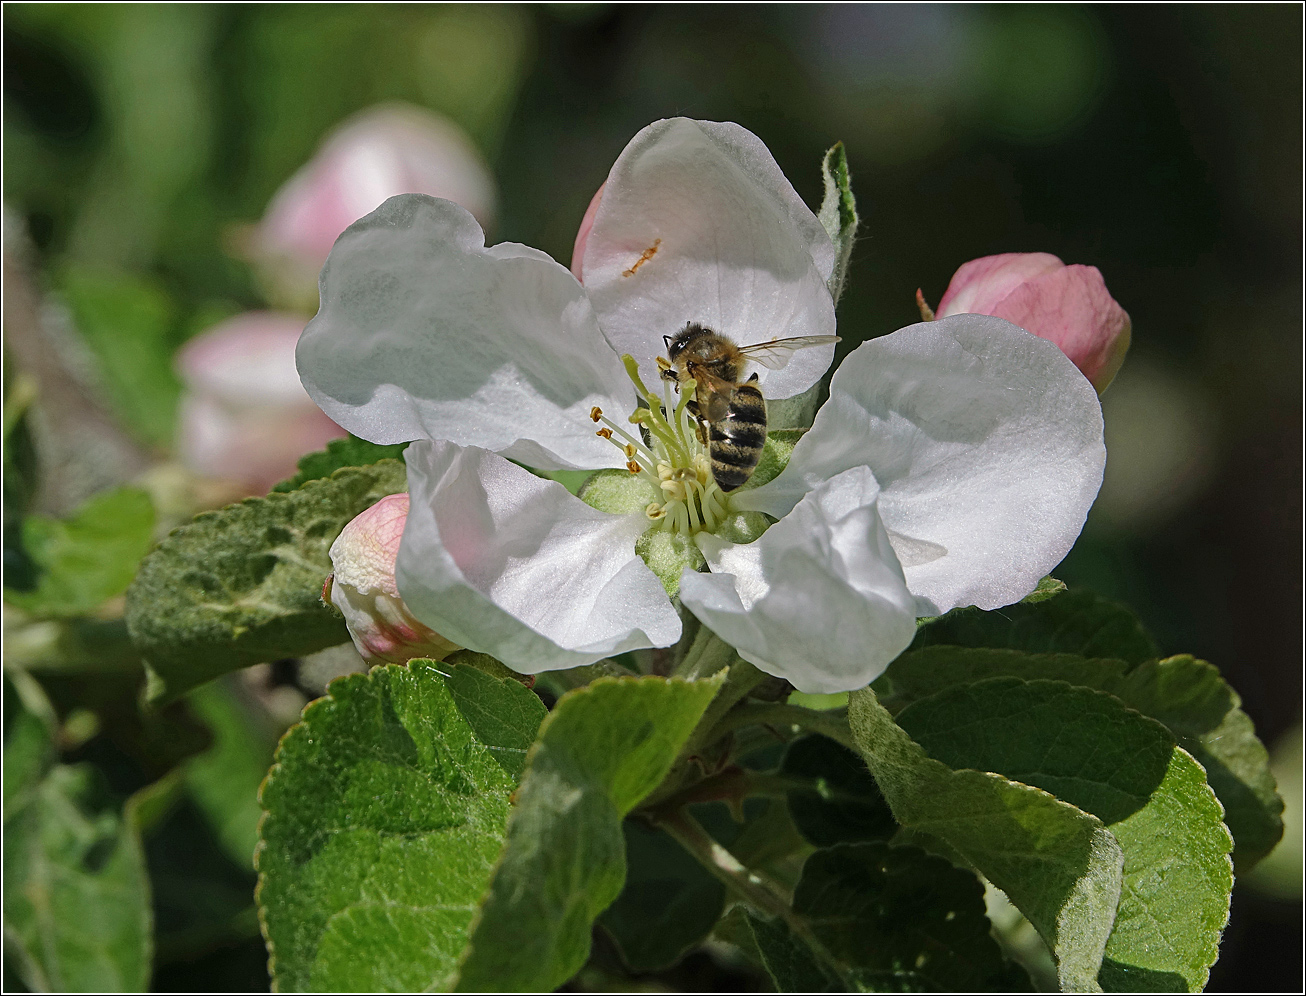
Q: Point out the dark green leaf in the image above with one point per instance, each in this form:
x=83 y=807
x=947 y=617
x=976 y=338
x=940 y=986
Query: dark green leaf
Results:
x=669 y=902
x=348 y=452
x=1186 y=694
x=1088 y=749
x=838 y=213
x=76 y=896
x=789 y=960
x=386 y=812
x=1059 y=865
x=1071 y=622
x=243 y=585
x=901 y=920
x=601 y=751
x=844 y=804
x=128 y=323
x=89 y=557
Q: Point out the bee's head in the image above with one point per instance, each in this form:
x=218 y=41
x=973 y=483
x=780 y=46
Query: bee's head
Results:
x=676 y=343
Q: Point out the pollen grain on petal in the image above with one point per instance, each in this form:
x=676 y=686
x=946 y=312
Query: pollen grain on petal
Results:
x=644 y=257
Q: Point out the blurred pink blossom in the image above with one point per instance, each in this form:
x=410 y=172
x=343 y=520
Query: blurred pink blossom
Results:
x=363 y=588
x=386 y=150
x=1068 y=305
x=244 y=415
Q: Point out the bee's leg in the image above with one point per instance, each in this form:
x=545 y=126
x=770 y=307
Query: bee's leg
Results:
x=699 y=421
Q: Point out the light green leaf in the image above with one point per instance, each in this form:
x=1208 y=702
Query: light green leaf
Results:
x=1058 y=864
x=901 y=920
x=348 y=452
x=602 y=750
x=386 y=812
x=1069 y=622
x=243 y=585
x=76 y=895
x=88 y=558
x=668 y=904
x=128 y=323
x=838 y=213
x=1186 y=694
x=1088 y=749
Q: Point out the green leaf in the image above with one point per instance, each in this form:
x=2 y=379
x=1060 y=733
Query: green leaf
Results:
x=128 y=322
x=225 y=779
x=386 y=812
x=1088 y=749
x=88 y=558
x=1071 y=622
x=76 y=895
x=243 y=585
x=1057 y=864
x=1186 y=694
x=669 y=902
x=901 y=920
x=348 y=452
x=601 y=751
x=838 y=213
x=844 y=804
x=789 y=960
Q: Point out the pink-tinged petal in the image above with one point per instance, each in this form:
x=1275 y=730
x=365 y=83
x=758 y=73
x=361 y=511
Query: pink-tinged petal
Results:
x=583 y=234
x=698 y=224
x=363 y=588
x=244 y=415
x=1072 y=307
x=978 y=286
x=511 y=565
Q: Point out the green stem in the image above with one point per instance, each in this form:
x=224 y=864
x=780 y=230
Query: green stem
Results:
x=755 y=889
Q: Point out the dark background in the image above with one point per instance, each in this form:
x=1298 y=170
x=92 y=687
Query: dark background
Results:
x=1160 y=144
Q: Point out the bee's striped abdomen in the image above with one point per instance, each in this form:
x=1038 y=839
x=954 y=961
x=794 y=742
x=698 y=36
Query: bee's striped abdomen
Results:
x=735 y=442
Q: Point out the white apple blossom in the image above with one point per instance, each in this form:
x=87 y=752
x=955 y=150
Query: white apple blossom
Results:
x=953 y=464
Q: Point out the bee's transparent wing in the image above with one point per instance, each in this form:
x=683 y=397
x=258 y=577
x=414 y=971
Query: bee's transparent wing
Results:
x=775 y=354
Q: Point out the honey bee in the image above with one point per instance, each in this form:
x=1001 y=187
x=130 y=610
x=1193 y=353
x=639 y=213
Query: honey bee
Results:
x=731 y=413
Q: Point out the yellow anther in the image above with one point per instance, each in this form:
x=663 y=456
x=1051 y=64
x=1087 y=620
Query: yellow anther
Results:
x=605 y=432
x=633 y=467
x=596 y=413
x=630 y=450
x=655 y=511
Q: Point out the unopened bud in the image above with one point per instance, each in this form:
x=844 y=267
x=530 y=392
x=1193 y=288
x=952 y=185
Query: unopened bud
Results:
x=1068 y=305
x=363 y=588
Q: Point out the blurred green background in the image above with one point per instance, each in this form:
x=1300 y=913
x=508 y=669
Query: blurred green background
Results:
x=1160 y=144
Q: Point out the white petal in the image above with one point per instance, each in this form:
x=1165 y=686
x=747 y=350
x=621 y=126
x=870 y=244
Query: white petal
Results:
x=425 y=333
x=986 y=442
x=819 y=599
x=726 y=241
x=503 y=562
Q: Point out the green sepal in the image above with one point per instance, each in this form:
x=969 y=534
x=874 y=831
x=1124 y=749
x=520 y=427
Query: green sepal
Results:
x=838 y=214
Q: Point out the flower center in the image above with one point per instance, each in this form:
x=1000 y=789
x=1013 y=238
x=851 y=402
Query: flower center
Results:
x=671 y=456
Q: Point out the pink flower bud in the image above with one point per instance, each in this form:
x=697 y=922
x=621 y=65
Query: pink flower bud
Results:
x=1068 y=305
x=386 y=150
x=363 y=588
x=244 y=415
x=582 y=236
